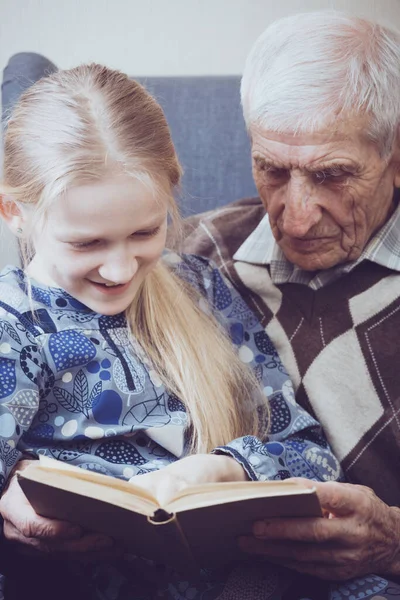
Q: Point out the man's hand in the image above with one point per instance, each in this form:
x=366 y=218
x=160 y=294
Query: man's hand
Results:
x=359 y=535
x=192 y=470
x=31 y=533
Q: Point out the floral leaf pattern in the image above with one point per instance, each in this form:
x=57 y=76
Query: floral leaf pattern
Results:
x=66 y=400
x=23 y=406
x=153 y=408
x=96 y=391
x=8 y=454
x=8 y=328
x=81 y=389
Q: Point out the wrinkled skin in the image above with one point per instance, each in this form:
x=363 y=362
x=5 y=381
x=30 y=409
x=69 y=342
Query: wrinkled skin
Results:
x=359 y=535
x=326 y=193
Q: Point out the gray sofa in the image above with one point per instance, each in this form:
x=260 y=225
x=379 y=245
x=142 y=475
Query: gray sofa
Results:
x=206 y=121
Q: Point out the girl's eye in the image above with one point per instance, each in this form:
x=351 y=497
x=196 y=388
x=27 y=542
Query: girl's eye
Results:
x=146 y=233
x=80 y=245
x=143 y=234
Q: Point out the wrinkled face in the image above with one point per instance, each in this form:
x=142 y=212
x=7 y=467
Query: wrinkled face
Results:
x=326 y=193
x=100 y=241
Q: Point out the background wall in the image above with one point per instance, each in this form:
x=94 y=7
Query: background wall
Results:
x=153 y=37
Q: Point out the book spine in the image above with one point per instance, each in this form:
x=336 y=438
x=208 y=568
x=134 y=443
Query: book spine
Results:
x=180 y=555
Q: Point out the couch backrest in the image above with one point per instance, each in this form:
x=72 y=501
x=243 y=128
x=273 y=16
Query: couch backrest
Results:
x=208 y=130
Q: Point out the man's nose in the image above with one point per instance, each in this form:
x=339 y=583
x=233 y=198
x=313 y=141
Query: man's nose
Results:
x=301 y=208
x=119 y=266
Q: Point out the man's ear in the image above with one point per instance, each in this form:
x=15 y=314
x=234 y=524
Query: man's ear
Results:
x=12 y=214
x=396 y=156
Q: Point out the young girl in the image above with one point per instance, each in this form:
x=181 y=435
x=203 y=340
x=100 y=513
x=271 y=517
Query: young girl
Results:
x=114 y=355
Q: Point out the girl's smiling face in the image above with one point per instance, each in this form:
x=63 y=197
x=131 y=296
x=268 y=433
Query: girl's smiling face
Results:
x=100 y=241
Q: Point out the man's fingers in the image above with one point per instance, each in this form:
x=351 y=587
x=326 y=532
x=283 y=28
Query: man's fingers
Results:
x=337 y=500
x=340 y=499
x=311 y=530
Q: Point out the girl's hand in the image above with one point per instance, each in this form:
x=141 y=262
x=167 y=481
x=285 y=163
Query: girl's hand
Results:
x=192 y=470
x=33 y=534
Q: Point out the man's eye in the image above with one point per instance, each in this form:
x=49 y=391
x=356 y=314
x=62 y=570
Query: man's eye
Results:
x=330 y=176
x=275 y=177
x=271 y=175
x=277 y=173
x=269 y=170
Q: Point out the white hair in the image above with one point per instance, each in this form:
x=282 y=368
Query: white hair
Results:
x=306 y=71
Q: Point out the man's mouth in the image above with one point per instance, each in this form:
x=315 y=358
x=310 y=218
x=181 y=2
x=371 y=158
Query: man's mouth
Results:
x=307 y=244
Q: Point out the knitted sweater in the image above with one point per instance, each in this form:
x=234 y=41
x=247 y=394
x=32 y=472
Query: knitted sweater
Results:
x=338 y=343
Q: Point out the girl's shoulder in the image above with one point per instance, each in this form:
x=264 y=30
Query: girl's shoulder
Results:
x=196 y=270
x=209 y=280
x=182 y=263
x=14 y=296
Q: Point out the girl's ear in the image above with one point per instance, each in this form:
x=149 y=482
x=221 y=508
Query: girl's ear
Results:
x=11 y=213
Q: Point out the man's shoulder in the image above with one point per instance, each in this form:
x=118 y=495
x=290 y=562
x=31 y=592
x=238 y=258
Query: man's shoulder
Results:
x=217 y=234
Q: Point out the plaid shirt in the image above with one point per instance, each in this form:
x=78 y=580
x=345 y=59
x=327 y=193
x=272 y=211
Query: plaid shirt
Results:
x=261 y=248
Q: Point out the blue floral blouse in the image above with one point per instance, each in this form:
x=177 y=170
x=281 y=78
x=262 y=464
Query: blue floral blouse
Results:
x=74 y=388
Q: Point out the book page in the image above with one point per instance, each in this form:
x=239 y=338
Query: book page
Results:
x=220 y=493
x=81 y=481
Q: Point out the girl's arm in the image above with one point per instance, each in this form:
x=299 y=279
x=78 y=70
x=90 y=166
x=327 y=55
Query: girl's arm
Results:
x=23 y=376
x=22 y=371
x=296 y=445
x=297 y=450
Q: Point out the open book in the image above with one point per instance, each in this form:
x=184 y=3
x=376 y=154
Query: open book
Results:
x=197 y=528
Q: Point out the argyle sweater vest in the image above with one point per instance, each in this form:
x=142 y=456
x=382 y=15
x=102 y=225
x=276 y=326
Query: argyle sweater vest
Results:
x=339 y=344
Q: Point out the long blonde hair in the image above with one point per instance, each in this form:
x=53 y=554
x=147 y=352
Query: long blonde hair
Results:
x=71 y=128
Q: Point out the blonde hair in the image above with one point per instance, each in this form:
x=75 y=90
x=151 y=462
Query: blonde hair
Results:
x=69 y=129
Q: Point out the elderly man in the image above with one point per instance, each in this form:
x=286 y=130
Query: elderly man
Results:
x=321 y=100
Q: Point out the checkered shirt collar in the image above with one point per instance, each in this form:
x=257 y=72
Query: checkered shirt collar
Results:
x=260 y=248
